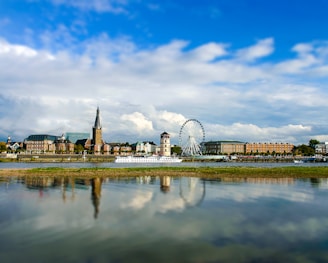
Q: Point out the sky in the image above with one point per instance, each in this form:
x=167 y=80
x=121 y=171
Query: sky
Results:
x=247 y=70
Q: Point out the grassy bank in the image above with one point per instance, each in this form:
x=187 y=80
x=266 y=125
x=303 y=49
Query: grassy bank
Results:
x=202 y=172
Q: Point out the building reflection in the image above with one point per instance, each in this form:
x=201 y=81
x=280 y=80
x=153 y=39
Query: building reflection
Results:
x=257 y=180
x=40 y=184
x=66 y=184
x=96 y=194
x=165 y=182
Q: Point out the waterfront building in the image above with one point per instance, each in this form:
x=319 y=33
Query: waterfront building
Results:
x=116 y=150
x=223 y=147
x=230 y=147
x=122 y=149
x=125 y=150
x=44 y=143
x=145 y=147
x=97 y=135
x=151 y=147
x=62 y=145
x=86 y=143
x=321 y=148
x=165 y=144
x=75 y=136
x=13 y=146
x=270 y=147
x=40 y=143
x=98 y=146
x=139 y=147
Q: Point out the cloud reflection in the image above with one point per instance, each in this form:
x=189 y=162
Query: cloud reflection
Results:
x=259 y=220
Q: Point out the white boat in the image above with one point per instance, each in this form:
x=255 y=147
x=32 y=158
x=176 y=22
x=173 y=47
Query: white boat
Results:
x=147 y=159
x=298 y=161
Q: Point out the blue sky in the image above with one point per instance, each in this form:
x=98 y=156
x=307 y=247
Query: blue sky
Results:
x=248 y=70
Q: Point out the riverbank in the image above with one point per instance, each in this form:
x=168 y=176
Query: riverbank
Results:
x=200 y=172
x=78 y=158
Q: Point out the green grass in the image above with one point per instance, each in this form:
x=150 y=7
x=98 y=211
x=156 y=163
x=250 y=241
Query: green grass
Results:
x=202 y=172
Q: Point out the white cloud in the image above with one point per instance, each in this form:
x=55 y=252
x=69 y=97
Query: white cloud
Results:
x=306 y=61
x=143 y=92
x=139 y=121
x=140 y=200
x=112 y=6
x=208 y=52
x=262 y=48
x=258 y=192
x=17 y=50
x=254 y=133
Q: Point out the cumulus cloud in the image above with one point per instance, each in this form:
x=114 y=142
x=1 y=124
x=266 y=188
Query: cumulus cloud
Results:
x=140 y=122
x=308 y=60
x=16 y=50
x=254 y=133
x=209 y=52
x=145 y=91
x=139 y=201
x=262 y=49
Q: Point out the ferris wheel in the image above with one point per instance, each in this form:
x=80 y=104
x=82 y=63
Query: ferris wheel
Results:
x=191 y=137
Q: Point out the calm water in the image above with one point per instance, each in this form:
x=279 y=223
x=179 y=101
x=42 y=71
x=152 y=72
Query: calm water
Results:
x=153 y=219
x=11 y=165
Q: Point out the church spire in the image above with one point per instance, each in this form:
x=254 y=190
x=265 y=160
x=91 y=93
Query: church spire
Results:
x=97 y=134
x=97 y=121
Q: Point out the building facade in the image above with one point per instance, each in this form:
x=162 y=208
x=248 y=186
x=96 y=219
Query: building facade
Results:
x=40 y=143
x=165 y=144
x=260 y=148
x=321 y=148
x=97 y=141
x=62 y=145
x=146 y=147
x=98 y=146
x=236 y=147
x=223 y=147
x=44 y=143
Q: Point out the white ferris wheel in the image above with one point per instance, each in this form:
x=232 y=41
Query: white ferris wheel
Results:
x=191 y=138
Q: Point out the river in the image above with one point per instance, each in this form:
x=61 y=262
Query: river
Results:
x=163 y=219
x=17 y=165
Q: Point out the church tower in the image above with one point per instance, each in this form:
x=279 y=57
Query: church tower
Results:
x=97 y=134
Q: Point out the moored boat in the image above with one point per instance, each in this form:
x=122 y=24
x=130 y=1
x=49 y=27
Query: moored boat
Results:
x=147 y=159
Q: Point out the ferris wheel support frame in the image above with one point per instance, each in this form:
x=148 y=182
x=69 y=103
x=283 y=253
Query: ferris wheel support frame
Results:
x=192 y=147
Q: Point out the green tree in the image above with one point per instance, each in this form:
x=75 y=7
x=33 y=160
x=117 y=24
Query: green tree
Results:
x=3 y=147
x=313 y=143
x=303 y=150
x=176 y=150
x=78 y=148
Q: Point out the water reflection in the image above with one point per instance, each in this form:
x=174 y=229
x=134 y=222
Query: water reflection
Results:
x=192 y=191
x=165 y=182
x=96 y=194
x=185 y=219
x=67 y=184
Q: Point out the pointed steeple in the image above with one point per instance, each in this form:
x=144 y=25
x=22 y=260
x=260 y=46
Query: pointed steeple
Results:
x=97 y=133
x=97 y=121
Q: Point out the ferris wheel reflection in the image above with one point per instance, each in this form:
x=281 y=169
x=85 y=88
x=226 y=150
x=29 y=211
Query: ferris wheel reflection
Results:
x=191 y=190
